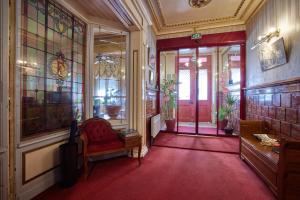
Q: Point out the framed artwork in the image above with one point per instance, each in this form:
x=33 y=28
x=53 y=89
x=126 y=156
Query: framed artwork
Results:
x=272 y=54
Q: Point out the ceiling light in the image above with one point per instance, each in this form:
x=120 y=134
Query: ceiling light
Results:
x=198 y=3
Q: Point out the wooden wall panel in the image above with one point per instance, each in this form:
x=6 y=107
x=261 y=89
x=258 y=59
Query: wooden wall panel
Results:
x=278 y=105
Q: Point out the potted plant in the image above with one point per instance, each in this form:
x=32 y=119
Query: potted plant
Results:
x=111 y=104
x=222 y=118
x=229 y=103
x=169 y=102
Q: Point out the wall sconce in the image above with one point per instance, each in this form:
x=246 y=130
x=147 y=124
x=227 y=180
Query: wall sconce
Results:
x=266 y=37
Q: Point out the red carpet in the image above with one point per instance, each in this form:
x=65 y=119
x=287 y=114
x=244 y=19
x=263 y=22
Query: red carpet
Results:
x=168 y=174
x=215 y=144
x=202 y=130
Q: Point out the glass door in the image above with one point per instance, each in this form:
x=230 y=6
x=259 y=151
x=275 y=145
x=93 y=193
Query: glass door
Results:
x=186 y=76
x=229 y=82
x=207 y=90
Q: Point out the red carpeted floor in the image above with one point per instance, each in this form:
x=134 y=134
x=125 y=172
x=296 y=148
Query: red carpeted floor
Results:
x=215 y=144
x=168 y=174
x=202 y=130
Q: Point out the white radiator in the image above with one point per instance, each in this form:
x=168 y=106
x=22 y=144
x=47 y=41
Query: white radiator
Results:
x=155 y=125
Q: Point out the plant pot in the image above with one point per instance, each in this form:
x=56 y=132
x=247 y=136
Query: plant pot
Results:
x=222 y=124
x=228 y=131
x=113 y=111
x=170 y=123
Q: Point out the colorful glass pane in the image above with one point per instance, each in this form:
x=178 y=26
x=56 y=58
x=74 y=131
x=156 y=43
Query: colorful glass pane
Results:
x=32 y=26
x=32 y=12
x=42 y=90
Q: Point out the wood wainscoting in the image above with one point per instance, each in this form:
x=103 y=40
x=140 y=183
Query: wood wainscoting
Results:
x=278 y=104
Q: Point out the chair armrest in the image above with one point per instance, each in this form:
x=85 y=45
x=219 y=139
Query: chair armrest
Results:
x=249 y=127
x=289 y=168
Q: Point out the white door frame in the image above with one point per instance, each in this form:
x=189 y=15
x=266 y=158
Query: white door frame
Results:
x=4 y=104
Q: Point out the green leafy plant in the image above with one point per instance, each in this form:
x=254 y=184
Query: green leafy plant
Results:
x=227 y=110
x=223 y=113
x=169 y=98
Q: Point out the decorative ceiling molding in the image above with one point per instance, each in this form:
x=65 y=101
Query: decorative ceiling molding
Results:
x=118 y=8
x=204 y=31
x=239 y=16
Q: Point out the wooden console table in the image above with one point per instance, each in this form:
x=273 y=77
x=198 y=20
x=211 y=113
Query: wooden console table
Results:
x=131 y=140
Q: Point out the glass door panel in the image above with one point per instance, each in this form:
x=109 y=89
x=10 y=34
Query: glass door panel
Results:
x=168 y=63
x=206 y=90
x=229 y=88
x=186 y=73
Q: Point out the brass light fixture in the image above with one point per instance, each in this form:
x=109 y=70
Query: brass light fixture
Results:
x=198 y=3
x=273 y=32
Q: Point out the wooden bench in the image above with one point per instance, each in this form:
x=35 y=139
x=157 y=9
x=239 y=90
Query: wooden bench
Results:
x=281 y=172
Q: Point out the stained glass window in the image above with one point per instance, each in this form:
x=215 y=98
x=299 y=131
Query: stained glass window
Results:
x=52 y=67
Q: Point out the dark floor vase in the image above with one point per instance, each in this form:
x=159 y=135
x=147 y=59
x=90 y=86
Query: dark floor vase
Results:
x=170 y=124
x=68 y=156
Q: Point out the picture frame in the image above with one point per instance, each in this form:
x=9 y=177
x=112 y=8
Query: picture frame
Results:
x=272 y=55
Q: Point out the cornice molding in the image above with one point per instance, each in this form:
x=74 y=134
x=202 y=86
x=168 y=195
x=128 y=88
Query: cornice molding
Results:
x=244 y=10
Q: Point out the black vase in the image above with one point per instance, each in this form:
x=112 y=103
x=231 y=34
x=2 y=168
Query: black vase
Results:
x=73 y=131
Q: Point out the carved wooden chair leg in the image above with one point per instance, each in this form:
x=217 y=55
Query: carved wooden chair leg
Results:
x=139 y=154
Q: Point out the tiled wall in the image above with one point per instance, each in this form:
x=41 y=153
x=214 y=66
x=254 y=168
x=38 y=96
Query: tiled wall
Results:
x=278 y=106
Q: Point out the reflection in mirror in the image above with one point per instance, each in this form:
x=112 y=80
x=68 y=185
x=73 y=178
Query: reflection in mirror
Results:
x=168 y=94
x=110 y=76
x=229 y=88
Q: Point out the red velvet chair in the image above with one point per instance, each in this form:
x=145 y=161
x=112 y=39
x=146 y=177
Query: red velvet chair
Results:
x=98 y=139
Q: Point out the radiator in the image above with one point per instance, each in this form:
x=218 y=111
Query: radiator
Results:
x=155 y=125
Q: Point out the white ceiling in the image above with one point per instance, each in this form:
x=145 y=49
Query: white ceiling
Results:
x=179 y=11
x=176 y=16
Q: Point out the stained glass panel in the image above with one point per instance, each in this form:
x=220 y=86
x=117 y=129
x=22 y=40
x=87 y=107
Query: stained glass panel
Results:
x=51 y=94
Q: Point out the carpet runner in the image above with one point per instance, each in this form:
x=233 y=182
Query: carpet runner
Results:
x=202 y=143
x=168 y=174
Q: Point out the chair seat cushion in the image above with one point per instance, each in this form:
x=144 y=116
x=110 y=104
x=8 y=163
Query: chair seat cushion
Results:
x=98 y=147
x=264 y=152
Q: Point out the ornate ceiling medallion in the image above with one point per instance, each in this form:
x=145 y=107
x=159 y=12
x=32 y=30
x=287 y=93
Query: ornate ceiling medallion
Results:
x=198 y=3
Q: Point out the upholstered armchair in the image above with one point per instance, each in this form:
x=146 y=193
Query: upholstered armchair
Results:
x=100 y=138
